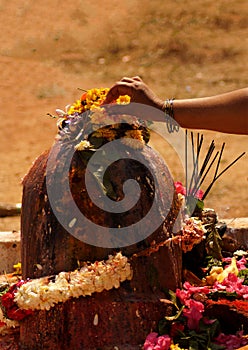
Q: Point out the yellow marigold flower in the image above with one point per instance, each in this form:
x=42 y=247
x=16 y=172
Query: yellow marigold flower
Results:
x=17 y=268
x=176 y=347
x=106 y=133
x=76 y=107
x=135 y=134
x=93 y=99
x=125 y=99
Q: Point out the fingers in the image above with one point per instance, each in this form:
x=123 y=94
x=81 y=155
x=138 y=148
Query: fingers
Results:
x=134 y=110
x=126 y=86
x=120 y=88
x=137 y=78
x=131 y=80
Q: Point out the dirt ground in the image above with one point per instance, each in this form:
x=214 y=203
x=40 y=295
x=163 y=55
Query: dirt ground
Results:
x=180 y=48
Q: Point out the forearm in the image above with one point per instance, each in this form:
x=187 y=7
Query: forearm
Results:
x=223 y=113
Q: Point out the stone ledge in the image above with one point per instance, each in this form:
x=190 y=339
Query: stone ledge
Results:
x=238 y=229
x=10 y=250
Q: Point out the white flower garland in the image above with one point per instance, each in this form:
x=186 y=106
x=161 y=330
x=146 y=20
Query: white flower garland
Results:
x=42 y=294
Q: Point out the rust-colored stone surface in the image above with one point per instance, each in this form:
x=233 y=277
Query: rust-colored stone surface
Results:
x=125 y=315
x=115 y=318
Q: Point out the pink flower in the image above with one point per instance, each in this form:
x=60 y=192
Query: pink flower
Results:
x=241 y=263
x=180 y=188
x=199 y=194
x=192 y=289
x=183 y=295
x=163 y=343
x=153 y=342
x=150 y=341
x=231 y=341
x=193 y=313
x=206 y=320
x=234 y=284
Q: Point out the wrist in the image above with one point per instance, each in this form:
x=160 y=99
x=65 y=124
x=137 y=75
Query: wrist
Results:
x=168 y=107
x=168 y=110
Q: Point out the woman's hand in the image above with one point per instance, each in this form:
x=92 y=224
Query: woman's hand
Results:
x=137 y=90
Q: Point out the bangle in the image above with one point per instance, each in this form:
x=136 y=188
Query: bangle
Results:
x=172 y=125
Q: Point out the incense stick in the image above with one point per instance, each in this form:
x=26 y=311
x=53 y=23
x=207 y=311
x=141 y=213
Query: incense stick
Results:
x=221 y=173
x=196 y=160
x=198 y=177
x=203 y=167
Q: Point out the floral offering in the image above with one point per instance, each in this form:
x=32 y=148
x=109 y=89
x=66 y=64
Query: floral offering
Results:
x=189 y=328
x=23 y=297
x=90 y=125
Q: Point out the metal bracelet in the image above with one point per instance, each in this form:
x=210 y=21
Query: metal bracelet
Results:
x=172 y=125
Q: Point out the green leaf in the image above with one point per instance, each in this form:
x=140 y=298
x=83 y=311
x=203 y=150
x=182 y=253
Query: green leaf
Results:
x=211 y=329
x=173 y=298
x=193 y=345
x=222 y=294
x=213 y=346
x=163 y=327
x=213 y=244
x=175 y=317
x=244 y=274
x=200 y=204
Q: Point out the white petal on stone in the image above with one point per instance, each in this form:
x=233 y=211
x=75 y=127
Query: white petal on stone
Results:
x=96 y=319
x=72 y=222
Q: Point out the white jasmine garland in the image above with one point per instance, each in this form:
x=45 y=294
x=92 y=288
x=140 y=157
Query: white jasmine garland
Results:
x=42 y=294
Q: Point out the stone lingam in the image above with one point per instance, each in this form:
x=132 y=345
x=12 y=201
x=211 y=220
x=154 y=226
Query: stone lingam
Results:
x=103 y=248
x=119 y=318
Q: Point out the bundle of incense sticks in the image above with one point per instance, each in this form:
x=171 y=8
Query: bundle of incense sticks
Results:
x=200 y=172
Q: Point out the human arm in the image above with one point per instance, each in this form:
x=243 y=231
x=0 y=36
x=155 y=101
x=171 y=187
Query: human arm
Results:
x=226 y=112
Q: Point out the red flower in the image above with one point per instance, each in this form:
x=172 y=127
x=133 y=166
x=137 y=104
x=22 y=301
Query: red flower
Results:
x=11 y=309
x=2 y=324
x=17 y=314
x=180 y=188
x=175 y=328
x=7 y=300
